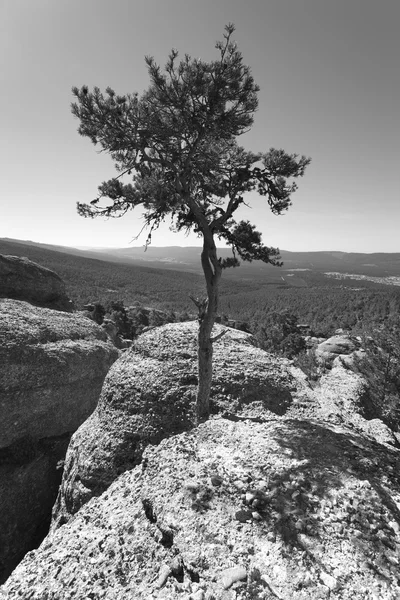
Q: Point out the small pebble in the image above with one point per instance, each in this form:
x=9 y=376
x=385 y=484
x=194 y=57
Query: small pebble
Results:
x=239 y=485
x=164 y=573
x=216 y=480
x=230 y=576
x=243 y=516
x=192 y=486
x=328 y=580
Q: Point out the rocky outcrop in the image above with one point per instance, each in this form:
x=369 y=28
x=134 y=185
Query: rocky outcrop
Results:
x=149 y=394
x=338 y=345
x=342 y=397
x=233 y=510
x=23 y=279
x=52 y=368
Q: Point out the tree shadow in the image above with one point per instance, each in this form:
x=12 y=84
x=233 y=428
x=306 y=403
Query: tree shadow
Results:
x=341 y=485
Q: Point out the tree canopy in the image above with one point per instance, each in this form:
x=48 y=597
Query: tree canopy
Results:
x=179 y=141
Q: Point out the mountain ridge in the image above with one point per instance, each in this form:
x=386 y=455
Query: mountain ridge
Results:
x=187 y=258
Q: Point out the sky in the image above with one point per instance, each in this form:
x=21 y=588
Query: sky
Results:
x=330 y=88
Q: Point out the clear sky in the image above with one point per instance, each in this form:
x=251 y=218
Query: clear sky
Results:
x=330 y=89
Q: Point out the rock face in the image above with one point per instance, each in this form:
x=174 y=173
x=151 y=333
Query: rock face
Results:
x=335 y=346
x=233 y=511
x=52 y=366
x=342 y=397
x=149 y=394
x=23 y=279
x=29 y=481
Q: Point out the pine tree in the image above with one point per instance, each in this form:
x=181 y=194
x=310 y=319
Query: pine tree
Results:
x=178 y=142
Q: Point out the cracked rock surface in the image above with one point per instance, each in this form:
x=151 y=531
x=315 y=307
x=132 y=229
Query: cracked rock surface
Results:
x=287 y=508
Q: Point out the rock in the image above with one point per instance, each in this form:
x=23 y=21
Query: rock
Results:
x=52 y=368
x=327 y=351
x=243 y=516
x=381 y=432
x=115 y=547
x=328 y=580
x=149 y=394
x=343 y=398
x=232 y=575
x=23 y=279
x=349 y=360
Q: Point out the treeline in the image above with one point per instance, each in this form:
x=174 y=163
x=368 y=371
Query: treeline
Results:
x=323 y=309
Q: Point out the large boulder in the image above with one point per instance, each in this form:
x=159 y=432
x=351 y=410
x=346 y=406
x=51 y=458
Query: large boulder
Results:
x=233 y=511
x=326 y=352
x=149 y=394
x=342 y=397
x=22 y=279
x=52 y=368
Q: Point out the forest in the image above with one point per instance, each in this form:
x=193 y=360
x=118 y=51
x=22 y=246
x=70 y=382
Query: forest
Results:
x=323 y=303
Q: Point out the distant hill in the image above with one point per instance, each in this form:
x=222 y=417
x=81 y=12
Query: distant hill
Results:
x=91 y=279
x=95 y=279
x=187 y=258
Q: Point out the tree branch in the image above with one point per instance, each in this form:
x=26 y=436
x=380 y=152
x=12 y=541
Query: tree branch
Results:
x=201 y=306
x=219 y=336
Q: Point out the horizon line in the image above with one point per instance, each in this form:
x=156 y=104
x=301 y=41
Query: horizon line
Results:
x=21 y=241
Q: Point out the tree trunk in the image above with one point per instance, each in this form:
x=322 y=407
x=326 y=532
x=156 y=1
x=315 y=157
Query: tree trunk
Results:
x=207 y=315
x=386 y=376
